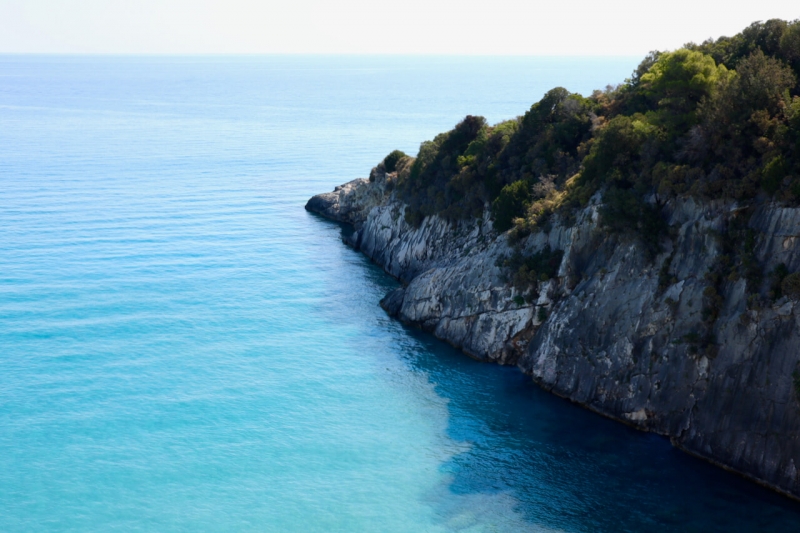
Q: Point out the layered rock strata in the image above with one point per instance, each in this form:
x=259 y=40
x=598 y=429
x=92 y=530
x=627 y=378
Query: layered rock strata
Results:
x=615 y=330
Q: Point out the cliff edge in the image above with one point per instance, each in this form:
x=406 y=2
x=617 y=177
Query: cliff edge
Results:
x=615 y=329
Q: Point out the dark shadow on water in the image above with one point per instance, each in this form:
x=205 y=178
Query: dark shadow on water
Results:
x=575 y=470
x=568 y=468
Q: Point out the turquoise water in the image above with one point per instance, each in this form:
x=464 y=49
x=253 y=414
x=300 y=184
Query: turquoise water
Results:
x=184 y=348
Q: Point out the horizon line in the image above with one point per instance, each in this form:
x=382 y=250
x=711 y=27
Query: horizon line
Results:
x=309 y=54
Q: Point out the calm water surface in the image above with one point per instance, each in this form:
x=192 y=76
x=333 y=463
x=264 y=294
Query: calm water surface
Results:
x=184 y=348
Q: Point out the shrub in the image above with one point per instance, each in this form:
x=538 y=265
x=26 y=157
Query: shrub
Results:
x=527 y=271
x=512 y=203
x=773 y=174
x=790 y=286
x=390 y=161
x=624 y=210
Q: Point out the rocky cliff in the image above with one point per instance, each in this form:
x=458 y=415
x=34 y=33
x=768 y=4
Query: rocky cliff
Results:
x=657 y=343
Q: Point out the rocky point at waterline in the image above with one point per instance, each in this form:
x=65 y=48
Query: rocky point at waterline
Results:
x=614 y=330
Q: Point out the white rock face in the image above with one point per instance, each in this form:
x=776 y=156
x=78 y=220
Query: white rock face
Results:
x=623 y=335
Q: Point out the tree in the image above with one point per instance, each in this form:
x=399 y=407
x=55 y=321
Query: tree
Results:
x=677 y=82
x=513 y=201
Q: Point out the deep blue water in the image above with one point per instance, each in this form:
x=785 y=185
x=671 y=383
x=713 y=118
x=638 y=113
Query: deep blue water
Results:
x=184 y=348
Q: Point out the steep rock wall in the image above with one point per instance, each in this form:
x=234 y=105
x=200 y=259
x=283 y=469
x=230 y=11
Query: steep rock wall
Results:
x=614 y=331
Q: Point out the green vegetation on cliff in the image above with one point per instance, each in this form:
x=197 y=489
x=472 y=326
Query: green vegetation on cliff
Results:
x=719 y=119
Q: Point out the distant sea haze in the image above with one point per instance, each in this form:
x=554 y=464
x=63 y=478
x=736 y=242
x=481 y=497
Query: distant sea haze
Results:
x=184 y=348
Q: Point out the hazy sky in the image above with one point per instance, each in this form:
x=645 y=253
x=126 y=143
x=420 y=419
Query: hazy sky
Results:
x=556 y=27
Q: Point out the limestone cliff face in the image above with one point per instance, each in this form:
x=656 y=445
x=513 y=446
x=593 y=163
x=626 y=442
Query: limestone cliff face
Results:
x=614 y=331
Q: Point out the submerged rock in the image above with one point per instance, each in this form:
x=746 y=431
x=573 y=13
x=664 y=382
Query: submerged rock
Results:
x=620 y=333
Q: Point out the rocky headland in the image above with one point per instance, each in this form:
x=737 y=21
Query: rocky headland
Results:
x=614 y=330
x=635 y=251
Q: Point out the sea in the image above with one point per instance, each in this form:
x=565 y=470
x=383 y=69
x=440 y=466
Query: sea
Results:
x=183 y=348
